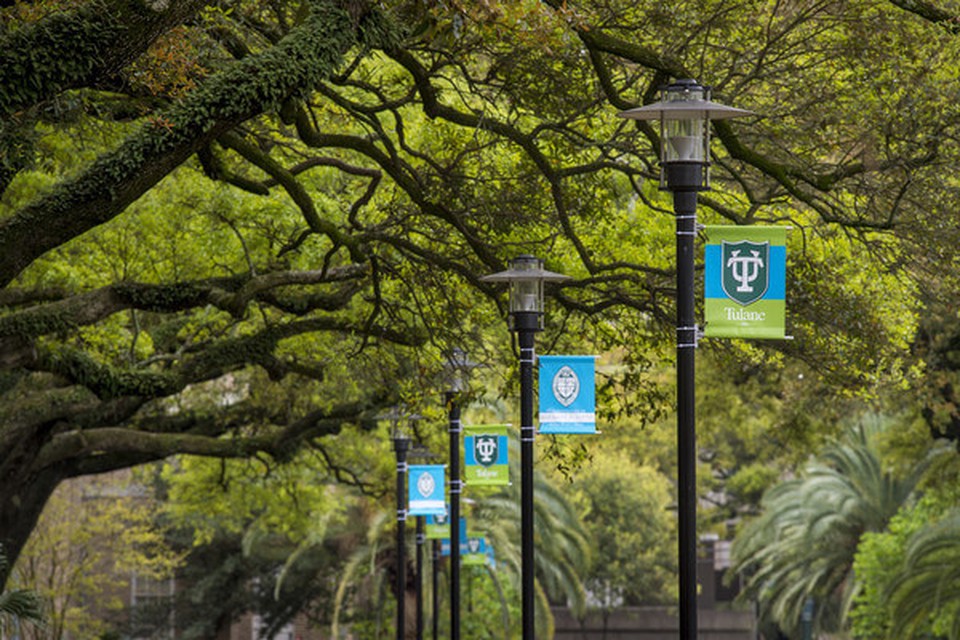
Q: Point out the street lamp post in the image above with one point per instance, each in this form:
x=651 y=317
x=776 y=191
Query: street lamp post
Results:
x=434 y=593
x=526 y=277
x=421 y=539
x=401 y=444
x=684 y=112
x=458 y=368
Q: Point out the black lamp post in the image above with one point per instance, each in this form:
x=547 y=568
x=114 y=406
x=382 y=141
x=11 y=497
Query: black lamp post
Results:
x=526 y=277
x=401 y=444
x=421 y=539
x=684 y=112
x=458 y=368
x=434 y=592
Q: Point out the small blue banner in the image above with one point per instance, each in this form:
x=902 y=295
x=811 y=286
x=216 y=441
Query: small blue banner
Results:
x=426 y=490
x=485 y=455
x=567 y=394
x=474 y=552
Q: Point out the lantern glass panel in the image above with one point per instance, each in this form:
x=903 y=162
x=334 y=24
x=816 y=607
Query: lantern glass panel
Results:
x=526 y=296
x=686 y=135
x=685 y=140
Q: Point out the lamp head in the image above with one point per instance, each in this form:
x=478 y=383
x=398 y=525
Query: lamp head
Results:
x=684 y=112
x=458 y=369
x=525 y=276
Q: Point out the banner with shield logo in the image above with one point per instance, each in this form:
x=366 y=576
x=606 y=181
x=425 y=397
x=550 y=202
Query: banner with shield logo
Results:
x=485 y=455
x=437 y=526
x=745 y=282
x=567 y=394
x=474 y=552
x=426 y=490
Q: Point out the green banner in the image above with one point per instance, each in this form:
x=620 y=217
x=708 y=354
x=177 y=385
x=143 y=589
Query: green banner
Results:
x=437 y=527
x=485 y=455
x=745 y=282
x=474 y=552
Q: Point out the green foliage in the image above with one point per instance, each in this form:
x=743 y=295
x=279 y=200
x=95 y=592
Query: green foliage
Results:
x=18 y=605
x=906 y=572
x=252 y=499
x=624 y=507
x=31 y=60
x=804 y=543
x=878 y=559
x=92 y=537
x=489 y=605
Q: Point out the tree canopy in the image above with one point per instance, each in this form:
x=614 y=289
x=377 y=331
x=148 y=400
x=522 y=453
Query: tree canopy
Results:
x=235 y=228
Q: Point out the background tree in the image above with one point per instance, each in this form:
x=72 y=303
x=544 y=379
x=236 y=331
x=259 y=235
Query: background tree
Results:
x=625 y=511
x=18 y=606
x=803 y=544
x=94 y=536
x=905 y=571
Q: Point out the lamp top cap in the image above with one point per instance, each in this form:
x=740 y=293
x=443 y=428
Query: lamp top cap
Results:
x=684 y=99
x=525 y=268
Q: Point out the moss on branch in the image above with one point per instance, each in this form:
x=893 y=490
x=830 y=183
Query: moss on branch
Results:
x=249 y=87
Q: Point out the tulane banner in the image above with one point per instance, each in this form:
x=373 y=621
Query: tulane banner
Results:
x=437 y=526
x=745 y=276
x=426 y=492
x=474 y=552
x=567 y=394
x=485 y=454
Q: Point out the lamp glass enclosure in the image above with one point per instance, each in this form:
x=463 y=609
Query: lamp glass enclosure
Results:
x=526 y=285
x=686 y=137
x=458 y=369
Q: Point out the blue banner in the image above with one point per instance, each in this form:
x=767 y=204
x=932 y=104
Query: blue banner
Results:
x=426 y=490
x=567 y=394
x=744 y=286
x=485 y=455
x=474 y=552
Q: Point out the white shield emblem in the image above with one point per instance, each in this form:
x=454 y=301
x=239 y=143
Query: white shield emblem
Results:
x=566 y=386
x=426 y=485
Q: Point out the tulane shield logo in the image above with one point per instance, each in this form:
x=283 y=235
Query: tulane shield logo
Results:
x=486 y=449
x=566 y=386
x=746 y=276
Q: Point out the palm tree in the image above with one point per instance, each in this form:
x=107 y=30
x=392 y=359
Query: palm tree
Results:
x=18 y=605
x=927 y=583
x=563 y=550
x=802 y=546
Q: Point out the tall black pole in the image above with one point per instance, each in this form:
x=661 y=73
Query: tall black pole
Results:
x=400 y=446
x=685 y=111
x=421 y=538
x=453 y=420
x=684 y=180
x=526 y=325
x=435 y=609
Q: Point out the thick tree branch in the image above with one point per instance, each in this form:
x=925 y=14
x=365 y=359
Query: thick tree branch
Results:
x=931 y=13
x=229 y=294
x=71 y=49
x=249 y=87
